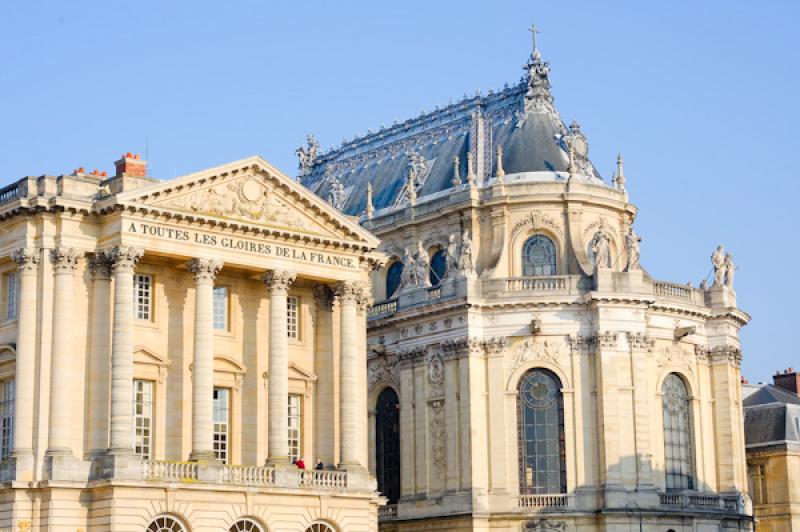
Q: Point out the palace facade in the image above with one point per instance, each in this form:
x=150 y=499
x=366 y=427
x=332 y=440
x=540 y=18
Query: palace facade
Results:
x=169 y=348
x=525 y=372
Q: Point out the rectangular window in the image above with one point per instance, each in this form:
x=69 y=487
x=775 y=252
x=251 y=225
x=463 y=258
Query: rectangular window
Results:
x=292 y=306
x=758 y=480
x=221 y=424
x=221 y=308
x=295 y=427
x=143 y=297
x=6 y=418
x=12 y=301
x=143 y=418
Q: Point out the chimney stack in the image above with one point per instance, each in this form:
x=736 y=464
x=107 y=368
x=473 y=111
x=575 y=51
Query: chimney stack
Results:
x=787 y=380
x=131 y=165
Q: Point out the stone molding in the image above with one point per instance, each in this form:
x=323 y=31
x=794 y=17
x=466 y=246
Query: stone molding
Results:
x=641 y=342
x=27 y=259
x=278 y=280
x=124 y=259
x=381 y=369
x=724 y=354
x=204 y=270
x=65 y=260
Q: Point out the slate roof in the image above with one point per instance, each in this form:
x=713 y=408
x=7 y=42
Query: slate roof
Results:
x=770 y=415
x=521 y=120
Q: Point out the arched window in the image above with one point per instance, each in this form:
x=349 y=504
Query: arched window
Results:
x=538 y=256
x=678 y=441
x=540 y=414
x=438 y=267
x=387 y=445
x=320 y=527
x=393 y=276
x=165 y=523
x=245 y=525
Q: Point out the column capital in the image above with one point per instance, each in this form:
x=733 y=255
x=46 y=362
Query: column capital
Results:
x=65 y=260
x=278 y=280
x=27 y=259
x=323 y=296
x=100 y=263
x=124 y=259
x=353 y=291
x=204 y=269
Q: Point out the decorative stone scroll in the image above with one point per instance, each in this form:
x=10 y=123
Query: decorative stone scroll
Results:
x=204 y=270
x=381 y=369
x=27 y=259
x=435 y=369
x=531 y=350
x=278 y=280
x=65 y=260
x=124 y=259
x=100 y=265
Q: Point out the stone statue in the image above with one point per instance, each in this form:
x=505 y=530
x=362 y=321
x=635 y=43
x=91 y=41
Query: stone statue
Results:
x=452 y=256
x=632 y=244
x=465 y=264
x=718 y=261
x=307 y=155
x=601 y=247
x=336 y=194
x=407 y=277
x=730 y=270
x=422 y=266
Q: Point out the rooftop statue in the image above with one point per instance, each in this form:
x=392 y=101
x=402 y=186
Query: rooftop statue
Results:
x=730 y=270
x=718 y=261
x=601 y=245
x=465 y=263
x=307 y=155
x=632 y=244
x=422 y=266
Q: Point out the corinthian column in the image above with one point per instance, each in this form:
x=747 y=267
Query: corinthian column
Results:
x=99 y=348
x=278 y=283
x=352 y=428
x=27 y=266
x=205 y=270
x=123 y=263
x=65 y=262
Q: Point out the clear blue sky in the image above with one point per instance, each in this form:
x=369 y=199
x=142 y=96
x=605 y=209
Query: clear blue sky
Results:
x=701 y=98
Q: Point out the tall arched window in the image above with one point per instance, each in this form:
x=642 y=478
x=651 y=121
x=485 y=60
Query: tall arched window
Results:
x=165 y=523
x=540 y=414
x=387 y=445
x=438 y=267
x=393 y=276
x=538 y=256
x=678 y=441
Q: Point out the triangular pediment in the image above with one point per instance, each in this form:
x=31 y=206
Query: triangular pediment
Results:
x=249 y=192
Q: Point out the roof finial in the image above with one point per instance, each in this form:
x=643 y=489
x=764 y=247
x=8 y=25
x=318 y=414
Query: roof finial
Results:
x=370 y=209
x=620 y=176
x=456 y=181
x=470 y=172
x=500 y=171
x=534 y=30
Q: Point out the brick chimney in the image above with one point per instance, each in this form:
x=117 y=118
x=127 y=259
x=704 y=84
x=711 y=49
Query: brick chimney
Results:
x=131 y=165
x=789 y=380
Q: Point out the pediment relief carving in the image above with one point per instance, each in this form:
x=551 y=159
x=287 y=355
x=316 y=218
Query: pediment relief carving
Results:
x=550 y=351
x=249 y=192
x=537 y=220
x=676 y=354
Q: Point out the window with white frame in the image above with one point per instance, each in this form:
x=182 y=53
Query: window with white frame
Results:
x=295 y=427
x=12 y=299
x=143 y=297
x=292 y=309
x=222 y=402
x=221 y=308
x=143 y=418
x=6 y=417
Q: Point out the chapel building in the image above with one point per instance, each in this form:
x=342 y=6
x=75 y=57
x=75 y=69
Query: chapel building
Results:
x=525 y=372
x=168 y=349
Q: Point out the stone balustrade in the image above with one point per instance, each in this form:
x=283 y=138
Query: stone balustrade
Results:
x=248 y=475
x=387 y=512
x=169 y=471
x=699 y=501
x=324 y=479
x=555 y=500
x=382 y=308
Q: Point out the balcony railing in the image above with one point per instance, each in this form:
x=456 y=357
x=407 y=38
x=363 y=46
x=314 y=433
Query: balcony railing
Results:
x=387 y=512
x=555 y=500
x=382 y=307
x=9 y=193
x=708 y=502
x=314 y=478
x=554 y=283
x=665 y=289
x=248 y=475
x=170 y=471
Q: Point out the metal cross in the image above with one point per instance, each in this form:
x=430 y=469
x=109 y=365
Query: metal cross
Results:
x=534 y=30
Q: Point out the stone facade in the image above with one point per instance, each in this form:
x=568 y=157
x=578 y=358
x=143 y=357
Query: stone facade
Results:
x=215 y=303
x=525 y=264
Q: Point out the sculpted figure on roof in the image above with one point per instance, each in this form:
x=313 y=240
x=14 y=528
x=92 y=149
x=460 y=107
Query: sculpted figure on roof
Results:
x=307 y=155
x=601 y=245
x=632 y=244
x=718 y=261
x=465 y=264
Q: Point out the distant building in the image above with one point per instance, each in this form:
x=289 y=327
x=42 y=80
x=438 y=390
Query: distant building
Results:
x=772 y=436
x=525 y=373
